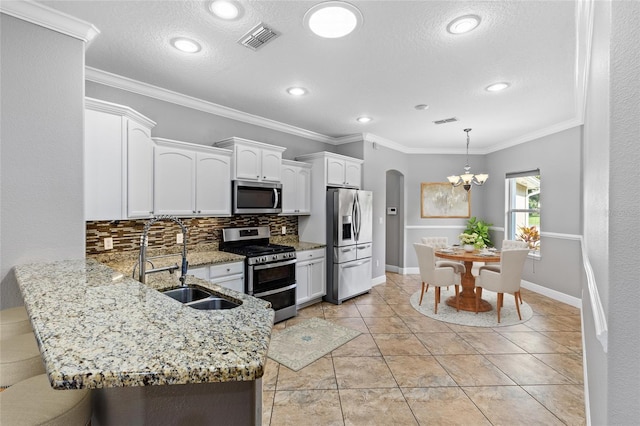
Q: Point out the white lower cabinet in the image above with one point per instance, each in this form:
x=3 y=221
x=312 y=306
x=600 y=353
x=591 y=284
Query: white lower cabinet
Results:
x=310 y=275
x=228 y=275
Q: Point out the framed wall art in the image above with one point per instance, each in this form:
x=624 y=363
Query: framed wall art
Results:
x=441 y=199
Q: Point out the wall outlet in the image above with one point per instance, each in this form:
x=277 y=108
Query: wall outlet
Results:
x=179 y=238
x=283 y=231
x=108 y=243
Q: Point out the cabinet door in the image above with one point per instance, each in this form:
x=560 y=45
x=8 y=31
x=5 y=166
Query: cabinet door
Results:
x=139 y=170
x=103 y=159
x=271 y=165
x=353 y=175
x=174 y=181
x=247 y=162
x=289 y=191
x=317 y=282
x=302 y=281
x=303 y=190
x=213 y=184
x=234 y=283
x=335 y=172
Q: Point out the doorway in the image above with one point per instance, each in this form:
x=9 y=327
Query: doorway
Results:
x=394 y=209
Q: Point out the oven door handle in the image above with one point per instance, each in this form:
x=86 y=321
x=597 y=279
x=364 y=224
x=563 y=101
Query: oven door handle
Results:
x=274 y=265
x=277 y=290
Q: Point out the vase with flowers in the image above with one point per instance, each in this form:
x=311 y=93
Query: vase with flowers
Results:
x=469 y=241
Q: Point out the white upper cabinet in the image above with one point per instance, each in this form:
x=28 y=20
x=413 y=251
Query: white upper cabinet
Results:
x=343 y=173
x=190 y=179
x=118 y=162
x=338 y=170
x=296 y=188
x=254 y=160
x=213 y=183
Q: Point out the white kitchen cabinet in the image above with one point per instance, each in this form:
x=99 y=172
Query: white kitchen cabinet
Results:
x=118 y=162
x=228 y=275
x=254 y=160
x=310 y=276
x=343 y=173
x=190 y=179
x=296 y=188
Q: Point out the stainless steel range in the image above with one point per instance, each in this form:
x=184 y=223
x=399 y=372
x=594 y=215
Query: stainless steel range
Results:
x=270 y=269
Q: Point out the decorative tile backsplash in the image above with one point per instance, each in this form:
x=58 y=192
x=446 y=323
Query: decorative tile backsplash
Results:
x=126 y=233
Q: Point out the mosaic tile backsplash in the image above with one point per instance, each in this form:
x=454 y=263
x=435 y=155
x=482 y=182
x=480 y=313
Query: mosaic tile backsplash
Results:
x=126 y=233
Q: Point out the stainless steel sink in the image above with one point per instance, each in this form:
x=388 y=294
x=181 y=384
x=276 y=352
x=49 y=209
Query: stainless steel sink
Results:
x=213 y=303
x=198 y=298
x=187 y=294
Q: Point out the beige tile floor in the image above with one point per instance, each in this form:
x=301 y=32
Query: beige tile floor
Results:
x=408 y=369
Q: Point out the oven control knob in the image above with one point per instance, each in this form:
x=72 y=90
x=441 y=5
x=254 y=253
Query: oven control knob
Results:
x=274 y=257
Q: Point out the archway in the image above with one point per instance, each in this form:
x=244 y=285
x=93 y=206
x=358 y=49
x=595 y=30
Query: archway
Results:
x=394 y=248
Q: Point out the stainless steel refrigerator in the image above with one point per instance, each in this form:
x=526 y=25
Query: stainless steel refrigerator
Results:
x=349 y=235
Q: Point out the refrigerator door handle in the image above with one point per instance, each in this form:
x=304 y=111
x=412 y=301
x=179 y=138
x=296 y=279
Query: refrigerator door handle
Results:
x=356 y=218
x=355 y=264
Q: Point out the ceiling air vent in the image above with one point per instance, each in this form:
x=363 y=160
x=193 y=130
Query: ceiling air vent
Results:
x=258 y=36
x=445 y=120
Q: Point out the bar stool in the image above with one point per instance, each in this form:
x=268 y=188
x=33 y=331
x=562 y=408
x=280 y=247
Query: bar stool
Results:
x=14 y=321
x=34 y=402
x=19 y=359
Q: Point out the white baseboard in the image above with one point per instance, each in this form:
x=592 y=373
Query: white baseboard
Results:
x=392 y=268
x=378 y=280
x=553 y=294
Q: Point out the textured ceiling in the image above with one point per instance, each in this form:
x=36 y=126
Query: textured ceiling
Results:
x=401 y=56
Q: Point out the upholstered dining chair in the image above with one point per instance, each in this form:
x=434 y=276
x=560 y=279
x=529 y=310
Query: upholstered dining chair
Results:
x=505 y=281
x=443 y=242
x=506 y=245
x=436 y=276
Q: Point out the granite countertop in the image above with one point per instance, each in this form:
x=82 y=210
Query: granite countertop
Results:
x=98 y=328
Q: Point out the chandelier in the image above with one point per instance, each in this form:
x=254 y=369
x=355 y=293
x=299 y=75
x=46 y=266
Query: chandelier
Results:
x=467 y=178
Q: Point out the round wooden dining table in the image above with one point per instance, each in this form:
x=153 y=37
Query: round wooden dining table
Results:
x=468 y=281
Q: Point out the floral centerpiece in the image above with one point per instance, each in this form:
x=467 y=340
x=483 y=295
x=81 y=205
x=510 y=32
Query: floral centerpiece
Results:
x=471 y=241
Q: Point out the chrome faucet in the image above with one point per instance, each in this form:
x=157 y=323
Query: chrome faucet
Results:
x=144 y=242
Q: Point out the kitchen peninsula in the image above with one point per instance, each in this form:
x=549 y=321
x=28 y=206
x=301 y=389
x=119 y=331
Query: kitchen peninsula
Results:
x=99 y=330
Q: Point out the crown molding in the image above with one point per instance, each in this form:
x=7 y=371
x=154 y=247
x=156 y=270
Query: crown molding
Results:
x=52 y=19
x=134 y=86
x=116 y=109
x=556 y=128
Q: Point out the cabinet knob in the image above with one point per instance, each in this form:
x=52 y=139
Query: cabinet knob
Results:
x=199 y=211
x=228 y=269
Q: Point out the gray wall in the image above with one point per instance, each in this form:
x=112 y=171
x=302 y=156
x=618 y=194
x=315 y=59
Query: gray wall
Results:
x=610 y=210
x=436 y=168
x=41 y=196
x=558 y=157
x=191 y=125
x=377 y=161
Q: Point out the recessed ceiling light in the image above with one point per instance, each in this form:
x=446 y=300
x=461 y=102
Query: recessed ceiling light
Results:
x=186 y=45
x=364 y=119
x=496 y=87
x=421 y=107
x=463 y=24
x=333 y=19
x=224 y=9
x=297 y=91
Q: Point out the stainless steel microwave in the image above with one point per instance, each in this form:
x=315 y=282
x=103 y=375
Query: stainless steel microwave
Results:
x=256 y=197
